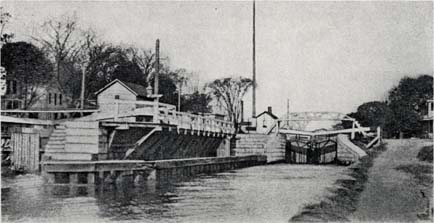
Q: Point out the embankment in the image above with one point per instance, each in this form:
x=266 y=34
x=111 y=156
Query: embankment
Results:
x=393 y=193
x=345 y=193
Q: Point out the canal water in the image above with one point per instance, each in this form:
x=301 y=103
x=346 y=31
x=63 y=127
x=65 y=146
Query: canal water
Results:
x=270 y=193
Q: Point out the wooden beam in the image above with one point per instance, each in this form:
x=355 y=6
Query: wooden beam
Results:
x=139 y=142
x=49 y=111
x=135 y=124
x=332 y=132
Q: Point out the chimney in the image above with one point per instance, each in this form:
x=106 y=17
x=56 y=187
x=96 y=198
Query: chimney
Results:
x=269 y=109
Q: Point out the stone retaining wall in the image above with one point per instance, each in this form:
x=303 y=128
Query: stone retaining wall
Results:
x=137 y=171
x=272 y=146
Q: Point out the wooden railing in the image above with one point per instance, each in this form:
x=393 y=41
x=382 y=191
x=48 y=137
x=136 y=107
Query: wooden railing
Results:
x=162 y=113
x=154 y=112
x=279 y=127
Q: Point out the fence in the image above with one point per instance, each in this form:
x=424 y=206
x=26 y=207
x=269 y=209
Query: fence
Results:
x=25 y=151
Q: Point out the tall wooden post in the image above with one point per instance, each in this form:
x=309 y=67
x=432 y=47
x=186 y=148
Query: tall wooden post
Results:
x=157 y=71
x=287 y=109
x=353 y=133
x=379 y=136
x=83 y=76
x=254 y=65
x=179 y=96
x=157 y=66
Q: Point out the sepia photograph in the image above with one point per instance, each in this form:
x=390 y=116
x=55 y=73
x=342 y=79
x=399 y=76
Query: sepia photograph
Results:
x=216 y=111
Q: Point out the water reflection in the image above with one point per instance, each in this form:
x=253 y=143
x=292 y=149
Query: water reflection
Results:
x=256 y=194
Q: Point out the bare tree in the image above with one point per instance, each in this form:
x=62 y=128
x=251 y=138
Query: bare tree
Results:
x=145 y=59
x=229 y=92
x=62 y=40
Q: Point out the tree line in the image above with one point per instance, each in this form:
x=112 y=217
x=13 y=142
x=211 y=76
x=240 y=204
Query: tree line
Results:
x=400 y=115
x=62 y=51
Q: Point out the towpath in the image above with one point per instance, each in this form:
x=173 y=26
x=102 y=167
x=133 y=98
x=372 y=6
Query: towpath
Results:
x=390 y=194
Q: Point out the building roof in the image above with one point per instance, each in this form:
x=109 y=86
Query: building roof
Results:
x=268 y=113
x=136 y=89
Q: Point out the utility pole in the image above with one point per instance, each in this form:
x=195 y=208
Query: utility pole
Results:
x=157 y=71
x=254 y=66
x=157 y=66
x=83 y=76
x=287 y=109
x=179 y=95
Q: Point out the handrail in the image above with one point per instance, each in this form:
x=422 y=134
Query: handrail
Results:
x=166 y=113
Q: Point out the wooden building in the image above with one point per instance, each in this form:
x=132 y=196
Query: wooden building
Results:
x=120 y=90
x=48 y=97
x=265 y=121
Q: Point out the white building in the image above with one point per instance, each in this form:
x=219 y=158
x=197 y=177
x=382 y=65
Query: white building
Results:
x=265 y=121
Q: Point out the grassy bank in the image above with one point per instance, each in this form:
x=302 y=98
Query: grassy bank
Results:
x=423 y=174
x=345 y=194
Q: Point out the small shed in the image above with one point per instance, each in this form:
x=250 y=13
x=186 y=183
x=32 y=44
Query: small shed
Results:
x=120 y=90
x=265 y=120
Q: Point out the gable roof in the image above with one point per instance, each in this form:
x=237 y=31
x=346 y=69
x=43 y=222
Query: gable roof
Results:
x=268 y=113
x=136 y=89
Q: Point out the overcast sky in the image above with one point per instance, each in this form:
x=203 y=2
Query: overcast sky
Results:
x=323 y=56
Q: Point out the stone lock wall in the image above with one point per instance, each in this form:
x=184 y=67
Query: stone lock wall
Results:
x=272 y=146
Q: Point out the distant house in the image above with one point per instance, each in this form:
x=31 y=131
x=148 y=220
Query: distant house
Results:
x=265 y=120
x=428 y=118
x=48 y=97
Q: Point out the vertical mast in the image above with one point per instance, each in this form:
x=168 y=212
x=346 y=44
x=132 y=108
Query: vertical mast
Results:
x=157 y=66
x=254 y=65
x=287 y=109
x=83 y=77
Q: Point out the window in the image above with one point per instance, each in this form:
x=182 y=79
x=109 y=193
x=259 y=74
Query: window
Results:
x=11 y=87
x=8 y=89
x=60 y=99
x=116 y=96
x=16 y=104
x=13 y=104
x=55 y=99
x=14 y=87
x=49 y=98
x=9 y=105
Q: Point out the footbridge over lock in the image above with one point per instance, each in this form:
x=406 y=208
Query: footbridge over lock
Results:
x=142 y=130
x=309 y=141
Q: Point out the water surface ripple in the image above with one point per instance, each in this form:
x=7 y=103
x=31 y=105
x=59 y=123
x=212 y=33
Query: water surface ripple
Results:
x=272 y=193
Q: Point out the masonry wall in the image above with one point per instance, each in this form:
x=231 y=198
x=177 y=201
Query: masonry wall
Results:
x=272 y=146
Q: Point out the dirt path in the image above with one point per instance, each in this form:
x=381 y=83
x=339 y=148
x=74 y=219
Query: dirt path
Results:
x=391 y=194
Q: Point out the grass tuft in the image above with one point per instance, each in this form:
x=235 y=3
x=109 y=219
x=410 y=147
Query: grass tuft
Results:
x=426 y=154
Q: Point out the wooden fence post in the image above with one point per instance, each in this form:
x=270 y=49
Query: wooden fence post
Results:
x=353 y=133
x=379 y=136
